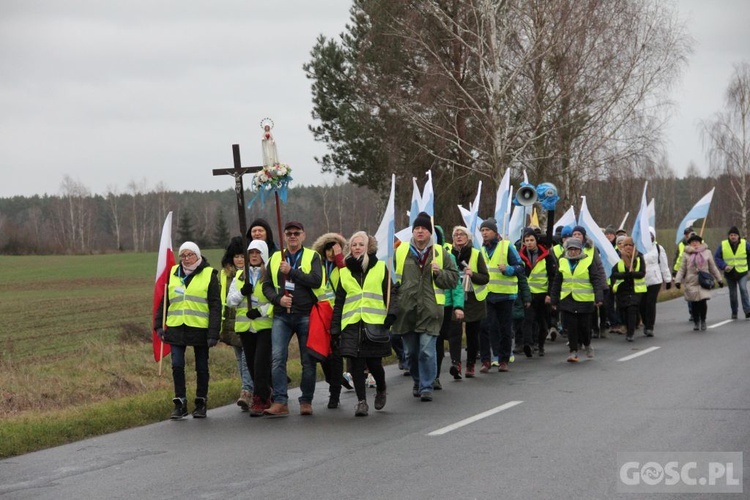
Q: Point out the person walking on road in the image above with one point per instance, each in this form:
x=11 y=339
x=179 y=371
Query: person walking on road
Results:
x=697 y=258
x=733 y=257
x=629 y=285
x=193 y=319
x=657 y=273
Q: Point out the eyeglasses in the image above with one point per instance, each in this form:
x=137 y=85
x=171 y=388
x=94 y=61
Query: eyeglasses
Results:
x=293 y=233
x=627 y=244
x=186 y=256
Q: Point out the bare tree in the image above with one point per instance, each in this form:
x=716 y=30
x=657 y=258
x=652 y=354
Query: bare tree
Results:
x=113 y=201
x=138 y=213
x=77 y=215
x=726 y=138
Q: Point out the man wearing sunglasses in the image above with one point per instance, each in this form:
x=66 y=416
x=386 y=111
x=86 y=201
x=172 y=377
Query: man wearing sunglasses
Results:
x=293 y=284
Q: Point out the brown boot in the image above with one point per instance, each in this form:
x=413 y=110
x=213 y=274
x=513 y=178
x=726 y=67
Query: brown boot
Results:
x=245 y=400
x=305 y=409
x=277 y=410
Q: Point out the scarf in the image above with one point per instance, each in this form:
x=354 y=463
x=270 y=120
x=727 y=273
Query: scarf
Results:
x=190 y=269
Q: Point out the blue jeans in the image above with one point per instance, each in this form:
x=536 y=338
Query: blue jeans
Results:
x=247 y=380
x=201 y=371
x=419 y=349
x=284 y=326
x=732 y=285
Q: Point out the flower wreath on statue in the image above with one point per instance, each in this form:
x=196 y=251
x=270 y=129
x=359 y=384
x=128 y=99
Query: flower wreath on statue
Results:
x=271 y=178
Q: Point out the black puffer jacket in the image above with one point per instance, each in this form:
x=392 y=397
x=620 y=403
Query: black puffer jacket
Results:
x=188 y=335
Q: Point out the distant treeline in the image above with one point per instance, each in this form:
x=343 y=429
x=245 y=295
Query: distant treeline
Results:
x=77 y=222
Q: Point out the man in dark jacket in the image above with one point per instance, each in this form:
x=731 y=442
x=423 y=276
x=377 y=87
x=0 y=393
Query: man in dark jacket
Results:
x=733 y=257
x=540 y=267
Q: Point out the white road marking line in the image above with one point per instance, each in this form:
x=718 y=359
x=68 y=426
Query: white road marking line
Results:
x=722 y=323
x=475 y=418
x=641 y=353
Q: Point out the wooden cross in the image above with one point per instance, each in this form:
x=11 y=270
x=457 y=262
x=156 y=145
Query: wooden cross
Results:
x=237 y=172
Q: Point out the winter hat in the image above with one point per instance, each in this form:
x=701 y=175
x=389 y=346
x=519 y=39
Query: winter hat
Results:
x=422 y=220
x=293 y=224
x=234 y=248
x=733 y=230
x=688 y=230
x=261 y=246
x=573 y=243
x=621 y=231
x=695 y=237
x=580 y=229
x=567 y=231
x=490 y=224
x=530 y=232
x=610 y=230
x=189 y=245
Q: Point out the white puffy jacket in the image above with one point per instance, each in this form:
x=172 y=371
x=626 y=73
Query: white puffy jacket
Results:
x=657 y=269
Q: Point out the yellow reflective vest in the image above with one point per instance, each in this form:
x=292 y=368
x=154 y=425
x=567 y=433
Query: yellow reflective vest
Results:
x=639 y=283
x=305 y=265
x=499 y=282
x=578 y=281
x=678 y=260
x=402 y=252
x=364 y=301
x=188 y=305
x=242 y=323
x=538 y=279
x=737 y=260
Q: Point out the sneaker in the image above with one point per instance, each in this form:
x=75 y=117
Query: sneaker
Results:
x=379 y=400
x=277 y=410
x=407 y=373
x=747 y=315
x=511 y=358
x=485 y=367
x=200 y=408
x=455 y=371
x=333 y=402
x=573 y=358
x=553 y=334
x=703 y=325
x=371 y=380
x=595 y=334
x=415 y=390
x=541 y=352
x=527 y=350
x=362 y=409
x=245 y=400
x=603 y=334
x=258 y=407
x=469 y=371
x=517 y=349
x=648 y=332
x=436 y=385
x=734 y=315
x=696 y=326
x=502 y=367
x=629 y=338
x=426 y=396
x=180 y=409
x=346 y=381
x=495 y=362
x=589 y=351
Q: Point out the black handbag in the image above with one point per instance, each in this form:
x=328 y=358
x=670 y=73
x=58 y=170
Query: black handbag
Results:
x=377 y=334
x=705 y=280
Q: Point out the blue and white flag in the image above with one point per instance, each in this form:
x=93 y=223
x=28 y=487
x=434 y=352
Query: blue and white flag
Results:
x=567 y=219
x=416 y=202
x=652 y=214
x=474 y=221
x=427 y=202
x=640 y=233
x=386 y=231
x=502 y=203
x=517 y=220
x=699 y=211
x=467 y=215
x=593 y=231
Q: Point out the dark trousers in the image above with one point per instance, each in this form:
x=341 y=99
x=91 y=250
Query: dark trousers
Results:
x=613 y=317
x=397 y=343
x=535 y=324
x=497 y=331
x=629 y=314
x=201 y=371
x=333 y=369
x=375 y=367
x=472 y=343
x=700 y=309
x=257 y=348
x=648 y=306
x=449 y=330
x=578 y=326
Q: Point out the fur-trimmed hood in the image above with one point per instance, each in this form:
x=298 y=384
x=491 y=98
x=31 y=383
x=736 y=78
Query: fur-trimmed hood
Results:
x=321 y=243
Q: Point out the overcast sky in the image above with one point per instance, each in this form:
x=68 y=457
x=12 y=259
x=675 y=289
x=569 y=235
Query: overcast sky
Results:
x=114 y=92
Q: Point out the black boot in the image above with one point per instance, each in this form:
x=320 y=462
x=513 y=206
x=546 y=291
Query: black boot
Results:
x=180 y=409
x=200 y=408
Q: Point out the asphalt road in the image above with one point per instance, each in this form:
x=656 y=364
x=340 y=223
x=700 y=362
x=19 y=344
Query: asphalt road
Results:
x=546 y=429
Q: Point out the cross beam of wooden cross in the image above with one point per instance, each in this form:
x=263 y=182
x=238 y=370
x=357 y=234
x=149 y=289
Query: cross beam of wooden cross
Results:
x=237 y=172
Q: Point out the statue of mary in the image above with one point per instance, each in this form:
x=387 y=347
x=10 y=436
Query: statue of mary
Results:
x=268 y=145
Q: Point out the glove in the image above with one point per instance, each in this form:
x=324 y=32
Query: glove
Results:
x=669 y=285
x=253 y=313
x=212 y=342
x=160 y=333
x=247 y=289
x=389 y=320
x=721 y=284
x=677 y=285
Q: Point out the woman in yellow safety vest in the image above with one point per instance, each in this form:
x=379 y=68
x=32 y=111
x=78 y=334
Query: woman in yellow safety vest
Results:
x=628 y=280
x=193 y=319
x=360 y=313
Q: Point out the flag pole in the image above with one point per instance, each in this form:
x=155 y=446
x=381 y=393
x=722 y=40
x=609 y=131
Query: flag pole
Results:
x=163 y=327
x=703 y=226
x=281 y=235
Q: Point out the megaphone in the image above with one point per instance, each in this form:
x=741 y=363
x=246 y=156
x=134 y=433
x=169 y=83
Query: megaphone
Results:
x=547 y=193
x=526 y=195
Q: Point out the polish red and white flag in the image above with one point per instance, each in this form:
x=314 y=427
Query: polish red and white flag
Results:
x=164 y=263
